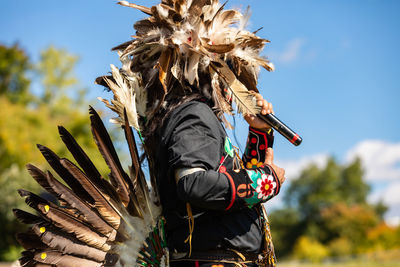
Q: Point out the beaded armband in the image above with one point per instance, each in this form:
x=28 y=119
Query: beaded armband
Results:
x=250 y=187
x=257 y=143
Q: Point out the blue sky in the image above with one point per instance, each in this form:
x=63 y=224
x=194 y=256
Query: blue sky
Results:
x=336 y=81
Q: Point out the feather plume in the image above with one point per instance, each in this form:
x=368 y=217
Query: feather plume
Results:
x=244 y=99
x=124 y=96
x=202 y=32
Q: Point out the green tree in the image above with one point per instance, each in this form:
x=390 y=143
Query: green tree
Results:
x=352 y=188
x=56 y=68
x=14 y=67
x=349 y=222
x=286 y=228
x=328 y=207
x=22 y=126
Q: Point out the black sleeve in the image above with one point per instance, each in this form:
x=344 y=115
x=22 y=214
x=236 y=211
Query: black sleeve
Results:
x=196 y=142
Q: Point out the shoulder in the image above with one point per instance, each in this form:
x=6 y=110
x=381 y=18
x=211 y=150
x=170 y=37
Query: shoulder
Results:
x=194 y=114
x=196 y=108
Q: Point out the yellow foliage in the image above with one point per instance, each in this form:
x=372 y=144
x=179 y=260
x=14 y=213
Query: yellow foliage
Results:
x=384 y=237
x=308 y=249
x=339 y=247
x=22 y=127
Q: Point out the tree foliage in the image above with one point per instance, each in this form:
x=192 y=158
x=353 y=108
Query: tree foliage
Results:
x=28 y=119
x=326 y=207
x=14 y=66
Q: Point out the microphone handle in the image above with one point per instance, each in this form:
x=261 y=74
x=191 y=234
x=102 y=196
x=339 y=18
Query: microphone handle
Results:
x=282 y=128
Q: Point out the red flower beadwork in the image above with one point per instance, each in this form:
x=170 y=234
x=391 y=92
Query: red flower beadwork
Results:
x=266 y=186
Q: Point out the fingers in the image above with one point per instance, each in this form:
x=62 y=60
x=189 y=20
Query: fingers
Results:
x=266 y=108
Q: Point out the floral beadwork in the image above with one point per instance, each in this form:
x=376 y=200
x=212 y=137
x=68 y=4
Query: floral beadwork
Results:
x=252 y=186
x=266 y=186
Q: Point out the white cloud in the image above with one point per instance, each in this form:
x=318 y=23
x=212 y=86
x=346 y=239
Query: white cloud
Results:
x=381 y=162
x=380 y=159
x=390 y=195
x=292 y=51
x=294 y=167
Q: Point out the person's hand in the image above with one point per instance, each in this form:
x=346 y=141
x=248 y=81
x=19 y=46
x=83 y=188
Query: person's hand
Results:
x=266 y=108
x=269 y=160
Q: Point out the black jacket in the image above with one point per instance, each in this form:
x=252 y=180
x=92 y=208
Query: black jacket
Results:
x=193 y=137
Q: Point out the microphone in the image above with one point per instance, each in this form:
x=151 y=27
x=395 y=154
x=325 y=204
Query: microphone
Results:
x=282 y=128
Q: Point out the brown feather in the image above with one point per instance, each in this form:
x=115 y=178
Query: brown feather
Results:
x=103 y=141
x=88 y=214
x=103 y=205
x=40 y=177
x=163 y=66
x=26 y=217
x=142 y=27
x=29 y=241
x=54 y=162
x=56 y=258
x=218 y=48
x=86 y=164
x=140 y=185
x=65 y=243
x=241 y=96
x=144 y=9
x=70 y=224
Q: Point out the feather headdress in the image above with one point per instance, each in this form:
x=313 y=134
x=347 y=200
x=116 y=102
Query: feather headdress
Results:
x=186 y=46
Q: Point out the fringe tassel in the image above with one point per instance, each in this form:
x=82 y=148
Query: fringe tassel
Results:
x=191 y=227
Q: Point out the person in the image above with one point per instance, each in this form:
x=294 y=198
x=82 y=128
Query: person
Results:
x=211 y=200
x=190 y=62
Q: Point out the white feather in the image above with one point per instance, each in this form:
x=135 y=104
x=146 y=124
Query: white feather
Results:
x=124 y=97
x=162 y=11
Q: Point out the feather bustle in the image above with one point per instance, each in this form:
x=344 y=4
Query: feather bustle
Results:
x=90 y=216
x=54 y=162
x=104 y=206
x=86 y=164
x=106 y=148
x=67 y=244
